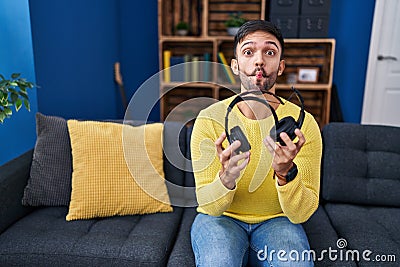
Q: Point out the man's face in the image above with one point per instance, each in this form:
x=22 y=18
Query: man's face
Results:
x=258 y=61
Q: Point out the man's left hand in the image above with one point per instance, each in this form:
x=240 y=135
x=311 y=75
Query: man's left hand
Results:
x=284 y=155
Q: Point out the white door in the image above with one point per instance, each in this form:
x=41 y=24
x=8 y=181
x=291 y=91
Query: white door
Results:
x=382 y=88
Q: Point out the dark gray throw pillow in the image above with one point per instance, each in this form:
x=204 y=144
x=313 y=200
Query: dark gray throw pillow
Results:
x=49 y=183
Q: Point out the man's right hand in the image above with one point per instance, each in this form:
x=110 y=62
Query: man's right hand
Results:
x=231 y=163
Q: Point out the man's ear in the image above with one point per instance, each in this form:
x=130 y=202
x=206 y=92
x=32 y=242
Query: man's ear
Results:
x=235 y=66
x=281 y=67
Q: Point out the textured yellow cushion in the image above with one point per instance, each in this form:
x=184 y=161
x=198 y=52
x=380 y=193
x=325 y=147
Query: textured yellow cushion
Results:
x=117 y=170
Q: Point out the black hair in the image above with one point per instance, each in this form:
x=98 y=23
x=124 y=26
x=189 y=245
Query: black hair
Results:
x=257 y=25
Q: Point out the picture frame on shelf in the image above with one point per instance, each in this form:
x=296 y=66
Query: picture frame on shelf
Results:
x=307 y=75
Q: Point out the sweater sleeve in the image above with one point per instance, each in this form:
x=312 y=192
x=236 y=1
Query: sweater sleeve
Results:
x=299 y=198
x=212 y=196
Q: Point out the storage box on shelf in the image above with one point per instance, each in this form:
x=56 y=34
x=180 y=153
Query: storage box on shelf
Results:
x=301 y=19
x=206 y=41
x=285 y=14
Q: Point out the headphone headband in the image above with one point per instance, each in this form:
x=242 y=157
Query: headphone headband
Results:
x=243 y=97
x=302 y=114
x=286 y=124
x=240 y=98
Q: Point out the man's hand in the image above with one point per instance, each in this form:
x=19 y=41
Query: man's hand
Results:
x=230 y=162
x=284 y=155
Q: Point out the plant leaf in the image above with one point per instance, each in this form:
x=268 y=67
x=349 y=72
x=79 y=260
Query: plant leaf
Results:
x=22 y=88
x=13 y=92
x=15 y=75
x=2 y=116
x=14 y=97
x=7 y=111
x=21 y=82
x=29 y=84
x=4 y=102
x=18 y=104
x=23 y=94
x=3 y=96
x=27 y=105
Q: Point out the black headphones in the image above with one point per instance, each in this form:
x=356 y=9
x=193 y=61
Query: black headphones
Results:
x=286 y=124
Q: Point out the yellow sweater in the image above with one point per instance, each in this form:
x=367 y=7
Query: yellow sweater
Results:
x=257 y=196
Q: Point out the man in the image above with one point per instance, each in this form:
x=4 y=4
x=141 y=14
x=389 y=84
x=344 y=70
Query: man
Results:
x=251 y=207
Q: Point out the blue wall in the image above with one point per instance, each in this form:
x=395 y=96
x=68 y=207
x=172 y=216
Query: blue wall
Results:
x=139 y=46
x=76 y=44
x=351 y=25
x=17 y=134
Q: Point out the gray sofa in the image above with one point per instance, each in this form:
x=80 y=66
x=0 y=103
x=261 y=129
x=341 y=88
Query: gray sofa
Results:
x=360 y=210
x=360 y=197
x=41 y=236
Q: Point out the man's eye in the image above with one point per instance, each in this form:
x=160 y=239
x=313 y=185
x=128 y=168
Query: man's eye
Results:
x=247 y=52
x=270 y=53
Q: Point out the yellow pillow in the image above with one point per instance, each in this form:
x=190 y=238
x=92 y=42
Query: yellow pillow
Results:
x=117 y=170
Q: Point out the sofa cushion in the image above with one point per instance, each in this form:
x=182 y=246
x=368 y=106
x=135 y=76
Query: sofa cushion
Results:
x=360 y=164
x=49 y=183
x=376 y=229
x=174 y=136
x=190 y=192
x=322 y=236
x=174 y=146
x=44 y=238
x=117 y=170
x=50 y=175
x=182 y=253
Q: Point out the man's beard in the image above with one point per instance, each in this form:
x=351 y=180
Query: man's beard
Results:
x=247 y=80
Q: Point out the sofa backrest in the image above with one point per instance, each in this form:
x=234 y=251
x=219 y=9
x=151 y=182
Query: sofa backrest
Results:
x=189 y=176
x=360 y=164
x=177 y=164
x=174 y=147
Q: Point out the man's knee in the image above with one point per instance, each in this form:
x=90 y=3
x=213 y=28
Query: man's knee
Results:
x=218 y=241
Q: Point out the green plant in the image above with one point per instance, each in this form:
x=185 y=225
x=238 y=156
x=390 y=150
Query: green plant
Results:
x=13 y=92
x=182 y=26
x=235 y=20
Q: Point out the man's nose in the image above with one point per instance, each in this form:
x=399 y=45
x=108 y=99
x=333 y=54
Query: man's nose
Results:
x=259 y=59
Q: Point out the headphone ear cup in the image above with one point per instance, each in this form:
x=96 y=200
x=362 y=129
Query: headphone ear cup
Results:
x=237 y=134
x=285 y=125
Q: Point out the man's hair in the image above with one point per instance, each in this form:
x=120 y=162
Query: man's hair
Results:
x=257 y=25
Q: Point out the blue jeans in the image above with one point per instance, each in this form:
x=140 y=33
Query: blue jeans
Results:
x=224 y=241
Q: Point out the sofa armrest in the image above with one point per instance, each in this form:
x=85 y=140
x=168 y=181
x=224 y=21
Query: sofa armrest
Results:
x=13 y=179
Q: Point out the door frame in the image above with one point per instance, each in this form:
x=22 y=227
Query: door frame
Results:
x=367 y=116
